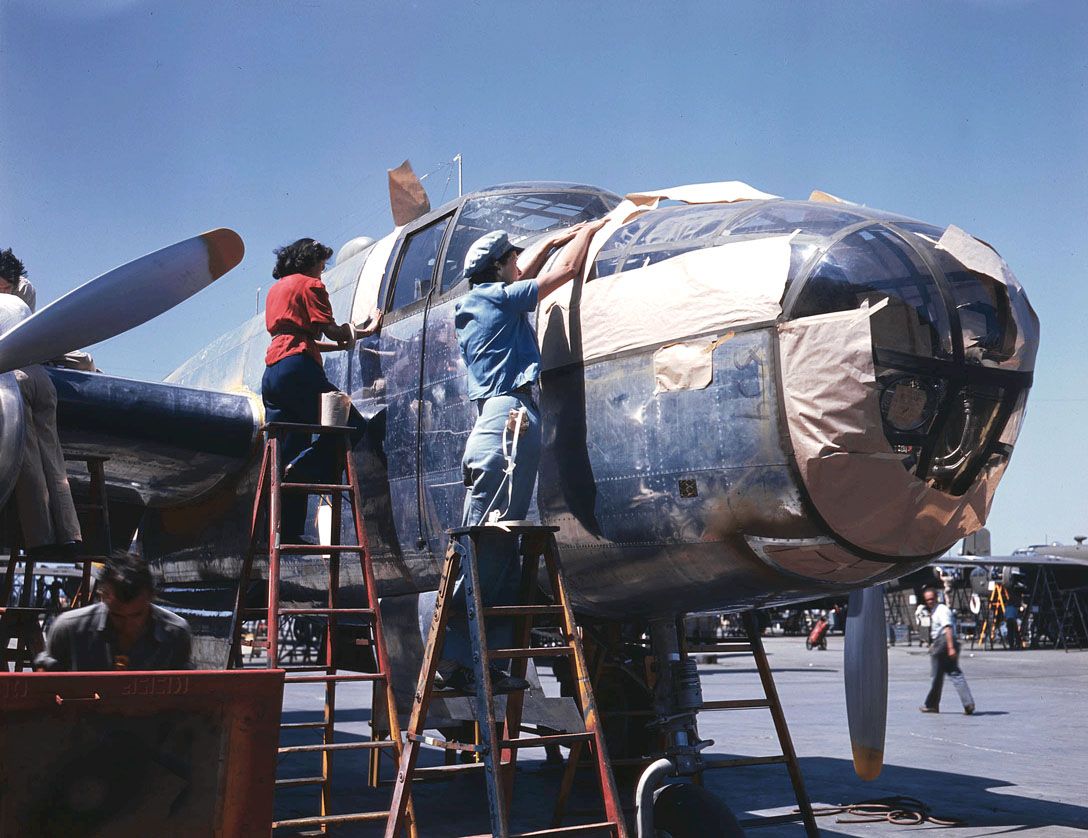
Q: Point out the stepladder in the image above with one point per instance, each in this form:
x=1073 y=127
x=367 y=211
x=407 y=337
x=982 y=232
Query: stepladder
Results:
x=753 y=644
x=339 y=688
x=498 y=743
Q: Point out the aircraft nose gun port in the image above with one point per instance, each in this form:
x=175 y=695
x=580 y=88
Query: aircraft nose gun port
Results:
x=935 y=344
x=952 y=347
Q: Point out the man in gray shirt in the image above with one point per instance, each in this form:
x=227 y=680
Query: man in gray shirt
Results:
x=125 y=631
x=944 y=651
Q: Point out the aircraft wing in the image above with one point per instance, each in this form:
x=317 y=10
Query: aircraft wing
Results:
x=1022 y=560
x=166 y=444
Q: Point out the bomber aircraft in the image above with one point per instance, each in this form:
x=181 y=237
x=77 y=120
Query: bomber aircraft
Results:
x=746 y=400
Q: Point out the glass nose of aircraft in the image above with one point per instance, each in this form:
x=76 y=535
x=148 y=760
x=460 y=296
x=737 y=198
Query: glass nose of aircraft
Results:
x=953 y=348
x=927 y=343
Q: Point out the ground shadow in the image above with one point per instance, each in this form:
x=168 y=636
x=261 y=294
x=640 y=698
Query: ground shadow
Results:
x=976 y=800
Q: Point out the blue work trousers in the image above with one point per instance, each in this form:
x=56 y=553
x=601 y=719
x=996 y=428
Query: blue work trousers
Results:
x=497 y=559
x=291 y=390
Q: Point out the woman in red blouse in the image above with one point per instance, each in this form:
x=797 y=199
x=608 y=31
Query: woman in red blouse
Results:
x=297 y=314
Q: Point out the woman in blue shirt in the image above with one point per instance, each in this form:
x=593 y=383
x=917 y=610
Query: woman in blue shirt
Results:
x=501 y=354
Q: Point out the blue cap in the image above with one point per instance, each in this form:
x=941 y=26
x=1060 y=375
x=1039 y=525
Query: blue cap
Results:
x=487 y=250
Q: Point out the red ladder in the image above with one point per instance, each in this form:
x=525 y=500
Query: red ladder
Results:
x=270 y=490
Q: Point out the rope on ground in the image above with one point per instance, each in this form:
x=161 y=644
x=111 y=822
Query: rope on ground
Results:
x=899 y=810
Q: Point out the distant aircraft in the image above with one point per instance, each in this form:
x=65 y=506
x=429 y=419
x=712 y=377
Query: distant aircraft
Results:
x=747 y=401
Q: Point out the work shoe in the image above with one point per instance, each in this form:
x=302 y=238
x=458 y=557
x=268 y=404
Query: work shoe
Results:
x=925 y=709
x=969 y=709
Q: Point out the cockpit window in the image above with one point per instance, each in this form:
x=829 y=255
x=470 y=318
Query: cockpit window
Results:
x=785 y=217
x=666 y=233
x=874 y=264
x=415 y=270
x=522 y=215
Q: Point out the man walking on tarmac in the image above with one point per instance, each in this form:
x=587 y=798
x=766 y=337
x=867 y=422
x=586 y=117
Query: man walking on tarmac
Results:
x=944 y=653
x=503 y=360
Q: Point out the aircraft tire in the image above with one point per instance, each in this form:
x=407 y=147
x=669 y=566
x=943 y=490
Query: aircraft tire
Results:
x=682 y=810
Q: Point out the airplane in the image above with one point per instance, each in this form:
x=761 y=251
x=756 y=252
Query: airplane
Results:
x=747 y=401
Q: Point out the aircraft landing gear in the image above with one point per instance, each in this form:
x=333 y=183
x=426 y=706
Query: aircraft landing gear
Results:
x=678 y=810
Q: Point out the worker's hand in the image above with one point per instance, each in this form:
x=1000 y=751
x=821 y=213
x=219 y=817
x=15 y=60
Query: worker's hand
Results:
x=952 y=652
x=370 y=325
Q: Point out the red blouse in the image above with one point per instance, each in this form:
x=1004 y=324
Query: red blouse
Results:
x=296 y=312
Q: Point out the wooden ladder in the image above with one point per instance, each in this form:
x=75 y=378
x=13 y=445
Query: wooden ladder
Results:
x=268 y=503
x=499 y=753
x=754 y=646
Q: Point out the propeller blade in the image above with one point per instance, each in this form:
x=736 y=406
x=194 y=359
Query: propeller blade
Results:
x=122 y=298
x=865 y=668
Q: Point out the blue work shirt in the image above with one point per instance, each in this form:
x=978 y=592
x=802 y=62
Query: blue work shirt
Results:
x=497 y=343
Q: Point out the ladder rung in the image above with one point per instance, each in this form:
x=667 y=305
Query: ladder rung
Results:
x=316 y=488
x=437 y=770
x=300 y=781
x=338 y=746
x=736 y=704
x=543 y=741
x=736 y=763
x=314 y=667
x=358 y=817
x=447 y=744
x=320 y=548
x=580 y=829
x=301 y=427
x=720 y=648
x=314 y=679
x=521 y=610
x=534 y=652
x=288 y=612
x=302 y=725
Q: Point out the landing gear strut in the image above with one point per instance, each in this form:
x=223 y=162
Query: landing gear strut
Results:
x=679 y=810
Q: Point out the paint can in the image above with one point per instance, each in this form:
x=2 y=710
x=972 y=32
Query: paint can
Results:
x=335 y=408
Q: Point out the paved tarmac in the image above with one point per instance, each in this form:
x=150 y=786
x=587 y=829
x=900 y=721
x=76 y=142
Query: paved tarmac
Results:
x=1018 y=765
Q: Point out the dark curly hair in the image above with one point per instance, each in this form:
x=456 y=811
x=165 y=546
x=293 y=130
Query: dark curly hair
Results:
x=127 y=576
x=299 y=257
x=10 y=266
x=491 y=272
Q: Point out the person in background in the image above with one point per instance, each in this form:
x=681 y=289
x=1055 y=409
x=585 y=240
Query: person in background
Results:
x=297 y=314
x=125 y=631
x=47 y=513
x=944 y=652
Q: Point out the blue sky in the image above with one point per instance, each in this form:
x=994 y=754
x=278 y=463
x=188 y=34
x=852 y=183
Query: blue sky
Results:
x=127 y=125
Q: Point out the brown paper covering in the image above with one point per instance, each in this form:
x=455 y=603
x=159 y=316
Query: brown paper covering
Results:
x=696 y=293
x=407 y=197
x=854 y=478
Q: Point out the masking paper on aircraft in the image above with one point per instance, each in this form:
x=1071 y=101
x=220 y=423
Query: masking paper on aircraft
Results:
x=827 y=198
x=407 y=197
x=854 y=478
x=979 y=257
x=370 y=279
x=636 y=203
x=698 y=292
x=827 y=562
x=684 y=366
